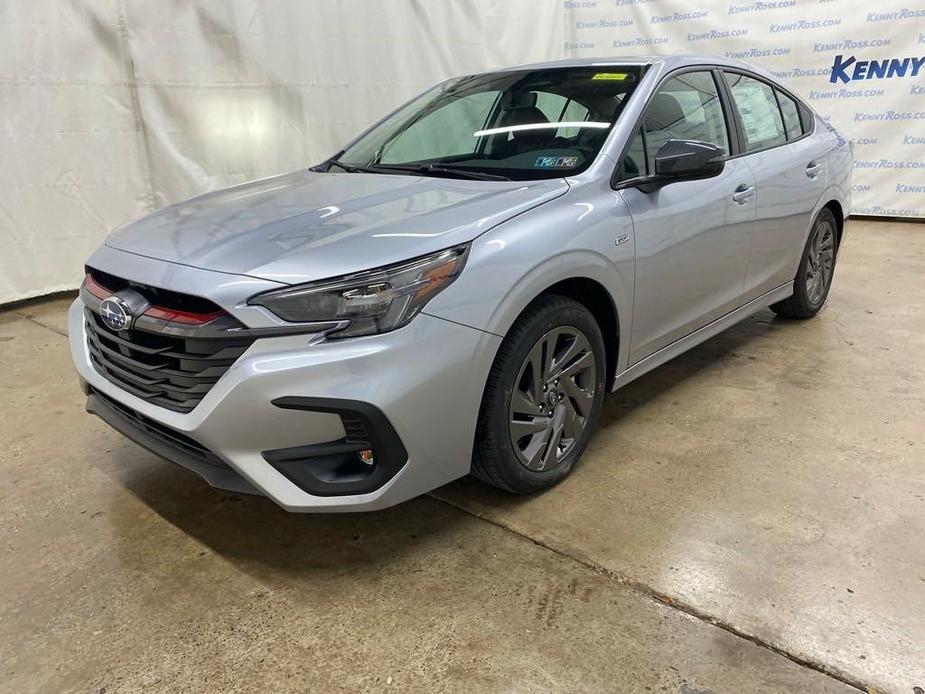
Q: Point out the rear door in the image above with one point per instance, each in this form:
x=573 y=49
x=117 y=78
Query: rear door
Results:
x=692 y=238
x=789 y=167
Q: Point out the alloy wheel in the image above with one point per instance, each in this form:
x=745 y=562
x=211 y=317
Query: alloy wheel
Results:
x=552 y=398
x=820 y=262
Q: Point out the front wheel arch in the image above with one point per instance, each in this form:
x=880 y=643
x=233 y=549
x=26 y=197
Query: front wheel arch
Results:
x=595 y=297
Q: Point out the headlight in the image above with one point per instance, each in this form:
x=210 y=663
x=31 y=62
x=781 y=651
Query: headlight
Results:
x=374 y=301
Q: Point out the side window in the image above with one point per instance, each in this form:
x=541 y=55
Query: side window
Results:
x=686 y=107
x=758 y=111
x=558 y=108
x=791 y=115
x=438 y=134
x=550 y=104
x=633 y=163
x=574 y=113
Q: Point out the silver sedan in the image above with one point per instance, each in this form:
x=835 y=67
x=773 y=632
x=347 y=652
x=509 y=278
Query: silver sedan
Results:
x=455 y=291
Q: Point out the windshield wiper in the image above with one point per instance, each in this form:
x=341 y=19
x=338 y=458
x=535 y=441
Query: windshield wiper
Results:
x=419 y=169
x=444 y=170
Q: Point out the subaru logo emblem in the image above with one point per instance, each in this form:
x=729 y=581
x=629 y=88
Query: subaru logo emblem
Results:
x=116 y=314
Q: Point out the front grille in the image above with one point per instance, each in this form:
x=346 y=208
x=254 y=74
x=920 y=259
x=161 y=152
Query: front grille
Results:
x=165 y=298
x=171 y=371
x=162 y=433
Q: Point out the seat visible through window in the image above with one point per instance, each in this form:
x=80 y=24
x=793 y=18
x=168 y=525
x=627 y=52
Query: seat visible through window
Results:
x=686 y=107
x=521 y=109
x=664 y=120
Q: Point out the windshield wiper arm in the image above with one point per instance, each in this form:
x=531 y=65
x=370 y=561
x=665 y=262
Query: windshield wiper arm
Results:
x=445 y=170
x=419 y=169
x=351 y=168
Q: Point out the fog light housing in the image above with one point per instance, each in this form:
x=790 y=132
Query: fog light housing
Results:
x=369 y=454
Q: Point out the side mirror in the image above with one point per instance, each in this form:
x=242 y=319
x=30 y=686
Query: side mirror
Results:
x=678 y=159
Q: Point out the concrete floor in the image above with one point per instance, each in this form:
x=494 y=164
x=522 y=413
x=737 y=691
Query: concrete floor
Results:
x=749 y=518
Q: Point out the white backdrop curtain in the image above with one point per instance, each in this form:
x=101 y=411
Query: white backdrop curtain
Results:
x=113 y=108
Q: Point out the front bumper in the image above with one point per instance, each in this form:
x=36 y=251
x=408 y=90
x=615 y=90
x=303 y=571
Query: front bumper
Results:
x=426 y=380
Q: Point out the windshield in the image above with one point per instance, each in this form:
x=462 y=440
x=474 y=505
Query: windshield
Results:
x=518 y=125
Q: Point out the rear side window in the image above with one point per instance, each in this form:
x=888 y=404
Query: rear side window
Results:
x=790 y=114
x=573 y=113
x=758 y=111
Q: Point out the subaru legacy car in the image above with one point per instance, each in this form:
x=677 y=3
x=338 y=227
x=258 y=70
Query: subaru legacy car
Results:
x=455 y=290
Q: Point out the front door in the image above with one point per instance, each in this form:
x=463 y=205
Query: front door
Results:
x=693 y=238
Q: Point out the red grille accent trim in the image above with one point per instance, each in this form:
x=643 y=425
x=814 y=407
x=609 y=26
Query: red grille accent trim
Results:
x=95 y=288
x=184 y=317
x=169 y=315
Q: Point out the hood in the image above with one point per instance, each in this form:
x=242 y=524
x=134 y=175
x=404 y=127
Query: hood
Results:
x=307 y=226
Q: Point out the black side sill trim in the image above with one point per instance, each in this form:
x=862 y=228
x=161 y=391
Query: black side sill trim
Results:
x=318 y=469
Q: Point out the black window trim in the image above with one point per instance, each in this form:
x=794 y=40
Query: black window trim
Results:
x=736 y=133
x=808 y=128
x=732 y=128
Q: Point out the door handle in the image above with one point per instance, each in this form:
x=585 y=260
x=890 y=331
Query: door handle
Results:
x=812 y=169
x=743 y=193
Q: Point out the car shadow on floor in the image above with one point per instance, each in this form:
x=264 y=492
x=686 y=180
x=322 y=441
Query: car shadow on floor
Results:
x=261 y=538
x=252 y=531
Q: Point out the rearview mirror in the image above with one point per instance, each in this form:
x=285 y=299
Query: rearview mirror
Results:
x=688 y=159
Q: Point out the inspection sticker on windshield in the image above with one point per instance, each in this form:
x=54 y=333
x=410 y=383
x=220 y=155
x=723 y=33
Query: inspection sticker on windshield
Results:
x=615 y=76
x=556 y=162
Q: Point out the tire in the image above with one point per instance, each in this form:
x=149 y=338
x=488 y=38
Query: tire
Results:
x=814 y=275
x=565 y=408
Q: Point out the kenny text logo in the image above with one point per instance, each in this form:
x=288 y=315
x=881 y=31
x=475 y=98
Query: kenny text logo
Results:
x=847 y=69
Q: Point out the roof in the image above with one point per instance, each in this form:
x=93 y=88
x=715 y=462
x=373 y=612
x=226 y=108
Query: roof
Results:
x=671 y=60
x=587 y=62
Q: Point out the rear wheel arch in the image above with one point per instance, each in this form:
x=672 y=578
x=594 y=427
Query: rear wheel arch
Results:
x=838 y=212
x=813 y=277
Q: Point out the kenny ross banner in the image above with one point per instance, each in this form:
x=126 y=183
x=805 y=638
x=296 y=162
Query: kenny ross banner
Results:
x=861 y=66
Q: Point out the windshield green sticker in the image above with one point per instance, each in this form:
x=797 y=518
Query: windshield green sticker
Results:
x=556 y=162
x=615 y=76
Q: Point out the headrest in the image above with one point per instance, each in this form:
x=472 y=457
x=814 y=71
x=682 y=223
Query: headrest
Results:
x=511 y=100
x=663 y=112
